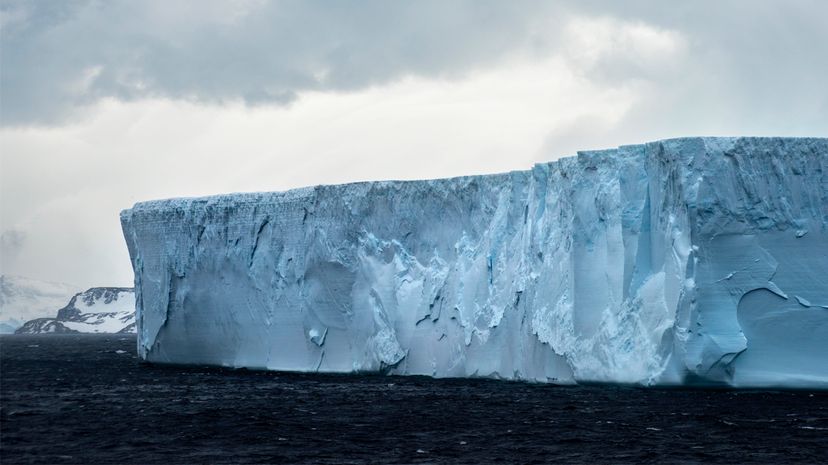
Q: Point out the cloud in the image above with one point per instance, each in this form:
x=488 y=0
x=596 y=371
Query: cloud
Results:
x=11 y=241
x=66 y=184
x=610 y=50
x=702 y=68
x=762 y=63
x=103 y=104
x=61 y=56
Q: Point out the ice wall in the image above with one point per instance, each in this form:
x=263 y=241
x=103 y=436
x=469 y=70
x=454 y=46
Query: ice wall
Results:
x=686 y=261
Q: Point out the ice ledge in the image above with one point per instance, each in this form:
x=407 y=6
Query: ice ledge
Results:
x=685 y=261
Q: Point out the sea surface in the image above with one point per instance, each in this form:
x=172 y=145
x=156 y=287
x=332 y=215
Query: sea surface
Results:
x=87 y=399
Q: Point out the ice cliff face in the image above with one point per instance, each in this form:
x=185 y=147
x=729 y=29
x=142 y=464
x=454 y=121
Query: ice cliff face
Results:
x=96 y=310
x=687 y=261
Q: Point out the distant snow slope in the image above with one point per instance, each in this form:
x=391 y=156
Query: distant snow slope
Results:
x=97 y=310
x=23 y=299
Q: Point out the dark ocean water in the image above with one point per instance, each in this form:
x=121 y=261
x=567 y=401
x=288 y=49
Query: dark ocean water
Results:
x=87 y=399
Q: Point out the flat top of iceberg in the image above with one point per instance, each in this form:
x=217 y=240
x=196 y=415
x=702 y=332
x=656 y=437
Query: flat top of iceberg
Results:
x=301 y=193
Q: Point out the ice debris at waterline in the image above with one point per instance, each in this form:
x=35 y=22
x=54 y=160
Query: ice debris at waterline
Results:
x=698 y=261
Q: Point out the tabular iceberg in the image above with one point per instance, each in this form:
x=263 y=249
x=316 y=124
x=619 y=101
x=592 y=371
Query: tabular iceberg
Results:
x=697 y=261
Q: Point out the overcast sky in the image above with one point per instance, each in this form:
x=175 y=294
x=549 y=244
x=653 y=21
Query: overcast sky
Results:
x=106 y=103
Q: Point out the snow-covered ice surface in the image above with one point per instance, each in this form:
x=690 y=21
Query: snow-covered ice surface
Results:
x=96 y=310
x=698 y=261
x=23 y=299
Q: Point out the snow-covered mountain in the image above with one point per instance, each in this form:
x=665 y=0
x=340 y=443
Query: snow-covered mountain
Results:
x=23 y=299
x=97 y=310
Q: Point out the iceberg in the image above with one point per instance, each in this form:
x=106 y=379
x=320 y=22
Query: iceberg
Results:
x=693 y=261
